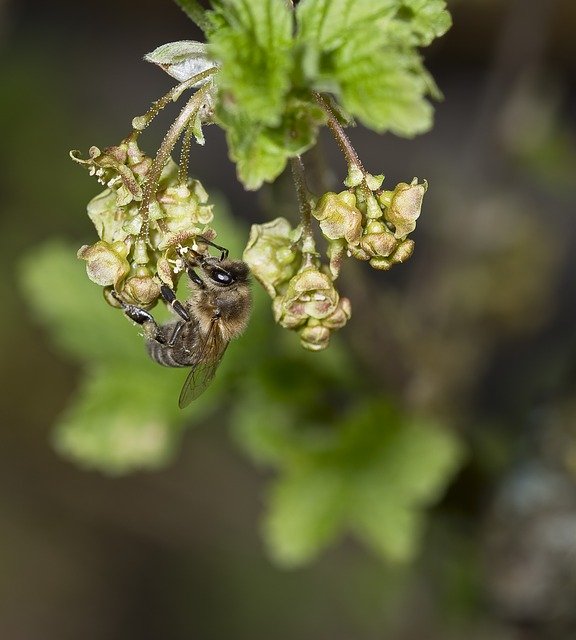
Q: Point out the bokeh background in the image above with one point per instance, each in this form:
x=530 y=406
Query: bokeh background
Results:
x=476 y=330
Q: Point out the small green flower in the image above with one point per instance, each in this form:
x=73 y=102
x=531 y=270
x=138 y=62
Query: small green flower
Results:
x=314 y=336
x=141 y=288
x=310 y=294
x=271 y=253
x=176 y=215
x=338 y=216
x=121 y=168
x=403 y=205
x=105 y=265
x=401 y=254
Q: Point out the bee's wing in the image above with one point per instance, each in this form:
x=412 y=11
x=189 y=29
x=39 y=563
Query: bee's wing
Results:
x=201 y=374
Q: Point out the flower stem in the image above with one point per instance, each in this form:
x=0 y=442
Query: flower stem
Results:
x=141 y=122
x=170 y=139
x=307 y=239
x=339 y=134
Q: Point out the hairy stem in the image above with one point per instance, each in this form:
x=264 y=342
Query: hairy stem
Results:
x=185 y=152
x=170 y=139
x=141 y=122
x=339 y=134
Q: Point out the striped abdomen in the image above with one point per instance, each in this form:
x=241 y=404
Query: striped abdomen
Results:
x=186 y=341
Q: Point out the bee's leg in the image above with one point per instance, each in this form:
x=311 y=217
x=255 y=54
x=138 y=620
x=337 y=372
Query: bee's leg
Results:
x=140 y=316
x=194 y=277
x=177 y=329
x=170 y=298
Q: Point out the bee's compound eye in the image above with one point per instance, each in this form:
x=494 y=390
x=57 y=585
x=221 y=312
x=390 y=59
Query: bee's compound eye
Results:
x=220 y=276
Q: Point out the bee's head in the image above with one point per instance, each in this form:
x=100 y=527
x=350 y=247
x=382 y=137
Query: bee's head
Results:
x=224 y=273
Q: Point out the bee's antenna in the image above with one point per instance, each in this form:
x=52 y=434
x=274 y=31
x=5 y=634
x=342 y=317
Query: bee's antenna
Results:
x=223 y=251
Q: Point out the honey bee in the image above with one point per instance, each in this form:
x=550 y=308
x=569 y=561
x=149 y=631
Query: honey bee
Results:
x=217 y=311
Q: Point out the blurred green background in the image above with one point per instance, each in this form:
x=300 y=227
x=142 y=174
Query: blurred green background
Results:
x=474 y=334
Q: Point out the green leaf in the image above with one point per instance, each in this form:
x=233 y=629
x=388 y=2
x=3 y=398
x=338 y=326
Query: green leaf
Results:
x=425 y=19
x=365 y=54
x=121 y=419
x=258 y=159
x=373 y=473
x=261 y=152
x=330 y=23
x=73 y=309
x=306 y=511
x=408 y=472
x=385 y=92
x=263 y=429
x=252 y=42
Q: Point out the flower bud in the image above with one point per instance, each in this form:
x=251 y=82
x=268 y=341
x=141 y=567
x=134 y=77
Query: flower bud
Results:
x=141 y=288
x=379 y=244
x=374 y=182
x=403 y=252
x=103 y=265
x=382 y=264
x=340 y=316
x=339 y=217
x=405 y=205
x=314 y=337
x=310 y=294
x=355 y=176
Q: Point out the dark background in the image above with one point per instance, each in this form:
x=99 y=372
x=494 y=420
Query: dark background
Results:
x=176 y=554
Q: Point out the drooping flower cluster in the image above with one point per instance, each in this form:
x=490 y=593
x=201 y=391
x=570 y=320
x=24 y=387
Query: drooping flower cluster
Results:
x=304 y=296
x=370 y=224
x=137 y=246
x=363 y=222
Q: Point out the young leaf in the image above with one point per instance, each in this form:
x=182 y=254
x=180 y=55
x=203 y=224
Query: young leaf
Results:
x=426 y=19
x=329 y=23
x=257 y=158
x=385 y=92
x=195 y=11
x=261 y=152
x=252 y=42
x=364 y=53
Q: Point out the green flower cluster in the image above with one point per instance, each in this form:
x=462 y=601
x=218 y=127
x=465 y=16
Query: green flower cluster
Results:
x=368 y=223
x=304 y=297
x=363 y=222
x=137 y=247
